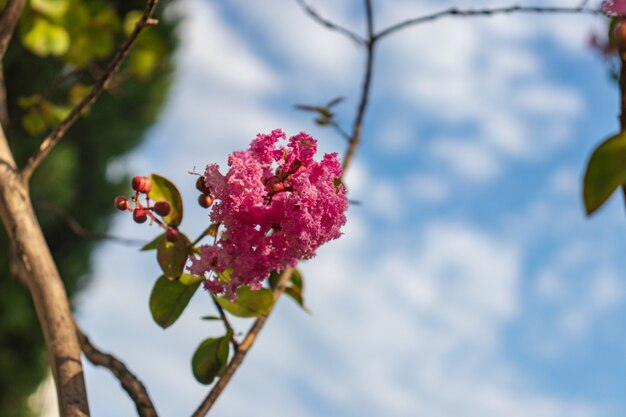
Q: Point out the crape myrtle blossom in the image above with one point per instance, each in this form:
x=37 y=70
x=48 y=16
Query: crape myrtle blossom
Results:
x=614 y=7
x=274 y=206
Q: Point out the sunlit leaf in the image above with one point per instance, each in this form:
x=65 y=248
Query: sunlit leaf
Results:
x=248 y=303
x=294 y=288
x=51 y=8
x=44 y=38
x=142 y=62
x=130 y=21
x=33 y=123
x=164 y=190
x=606 y=170
x=169 y=298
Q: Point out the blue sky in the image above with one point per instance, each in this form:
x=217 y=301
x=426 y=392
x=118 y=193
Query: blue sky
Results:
x=468 y=283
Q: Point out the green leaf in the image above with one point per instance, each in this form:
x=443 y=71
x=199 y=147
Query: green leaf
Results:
x=294 y=289
x=44 y=38
x=173 y=255
x=164 y=190
x=169 y=298
x=210 y=358
x=52 y=113
x=33 y=123
x=25 y=102
x=130 y=21
x=211 y=318
x=153 y=244
x=142 y=62
x=248 y=303
x=606 y=170
x=51 y=8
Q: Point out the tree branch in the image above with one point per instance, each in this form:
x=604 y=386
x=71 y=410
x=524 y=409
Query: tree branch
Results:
x=4 y=104
x=229 y=327
x=453 y=11
x=131 y=384
x=80 y=231
x=355 y=138
x=9 y=17
x=330 y=25
x=34 y=266
x=243 y=349
x=57 y=134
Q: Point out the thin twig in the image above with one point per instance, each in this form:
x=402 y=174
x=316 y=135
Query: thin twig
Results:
x=244 y=347
x=330 y=25
x=454 y=11
x=8 y=20
x=339 y=130
x=355 y=138
x=131 y=384
x=81 y=231
x=229 y=327
x=57 y=134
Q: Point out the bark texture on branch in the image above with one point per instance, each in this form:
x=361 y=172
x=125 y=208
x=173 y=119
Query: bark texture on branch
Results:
x=36 y=269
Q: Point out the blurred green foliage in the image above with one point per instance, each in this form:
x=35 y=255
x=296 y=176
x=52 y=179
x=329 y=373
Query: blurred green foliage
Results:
x=60 y=48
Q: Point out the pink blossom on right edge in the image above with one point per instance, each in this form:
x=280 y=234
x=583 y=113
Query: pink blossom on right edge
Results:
x=275 y=206
x=614 y=7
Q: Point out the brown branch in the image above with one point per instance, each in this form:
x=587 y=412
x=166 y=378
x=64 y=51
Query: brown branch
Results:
x=4 y=104
x=330 y=25
x=80 y=231
x=35 y=268
x=453 y=11
x=355 y=139
x=229 y=327
x=9 y=17
x=57 y=134
x=130 y=383
x=244 y=347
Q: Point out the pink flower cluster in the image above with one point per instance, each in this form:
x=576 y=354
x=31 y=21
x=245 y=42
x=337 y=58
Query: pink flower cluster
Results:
x=614 y=7
x=275 y=206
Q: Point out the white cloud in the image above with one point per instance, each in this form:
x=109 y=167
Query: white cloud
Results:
x=430 y=189
x=469 y=161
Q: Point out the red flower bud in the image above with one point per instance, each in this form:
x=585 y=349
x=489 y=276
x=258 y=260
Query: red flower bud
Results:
x=162 y=208
x=201 y=185
x=141 y=184
x=205 y=200
x=140 y=215
x=122 y=203
x=171 y=235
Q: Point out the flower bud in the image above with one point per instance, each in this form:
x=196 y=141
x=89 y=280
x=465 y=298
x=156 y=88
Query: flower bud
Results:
x=162 y=208
x=141 y=184
x=275 y=185
x=201 y=185
x=171 y=235
x=205 y=200
x=140 y=215
x=122 y=203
